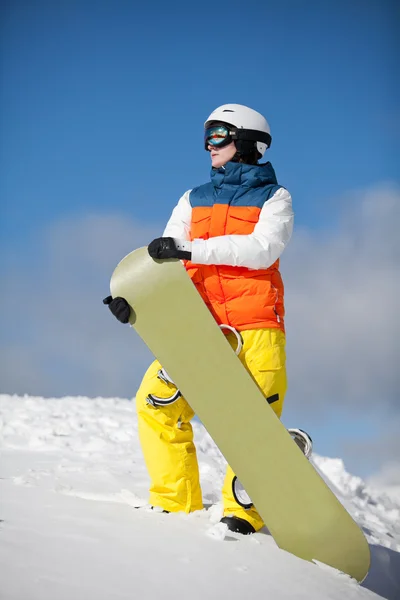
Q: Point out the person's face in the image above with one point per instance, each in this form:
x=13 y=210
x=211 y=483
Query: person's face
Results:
x=220 y=156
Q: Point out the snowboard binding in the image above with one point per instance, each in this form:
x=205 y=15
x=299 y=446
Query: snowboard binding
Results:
x=156 y=401
x=303 y=440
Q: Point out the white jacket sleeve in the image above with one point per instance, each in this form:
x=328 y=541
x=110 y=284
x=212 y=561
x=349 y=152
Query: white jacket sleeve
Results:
x=260 y=249
x=178 y=226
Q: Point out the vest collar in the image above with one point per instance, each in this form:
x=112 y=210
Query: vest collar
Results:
x=239 y=174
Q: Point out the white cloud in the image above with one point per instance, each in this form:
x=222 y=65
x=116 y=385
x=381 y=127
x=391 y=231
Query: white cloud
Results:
x=389 y=475
x=342 y=299
x=342 y=290
x=58 y=336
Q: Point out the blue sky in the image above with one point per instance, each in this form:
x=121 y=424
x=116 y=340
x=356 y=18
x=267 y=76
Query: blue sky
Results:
x=102 y=109
x=103 y=102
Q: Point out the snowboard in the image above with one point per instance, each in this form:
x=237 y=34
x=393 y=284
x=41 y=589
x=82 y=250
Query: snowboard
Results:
x=302 y=514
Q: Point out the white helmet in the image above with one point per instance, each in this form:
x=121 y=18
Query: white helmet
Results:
x=253 y=125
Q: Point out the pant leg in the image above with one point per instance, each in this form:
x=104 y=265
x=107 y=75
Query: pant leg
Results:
x=166 y=437
x=263 y=355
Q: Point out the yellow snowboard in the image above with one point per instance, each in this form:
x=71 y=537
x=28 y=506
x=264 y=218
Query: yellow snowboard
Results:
x=301 y=512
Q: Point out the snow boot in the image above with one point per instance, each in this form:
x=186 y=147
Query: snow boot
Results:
x=238 y=525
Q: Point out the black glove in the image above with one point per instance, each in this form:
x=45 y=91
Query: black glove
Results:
x=165 y=247
x=119 y=308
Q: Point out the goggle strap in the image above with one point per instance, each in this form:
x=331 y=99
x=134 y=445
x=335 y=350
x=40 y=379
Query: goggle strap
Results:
x=251 y=135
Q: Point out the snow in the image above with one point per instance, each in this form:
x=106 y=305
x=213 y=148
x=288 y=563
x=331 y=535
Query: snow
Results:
x=71 y=478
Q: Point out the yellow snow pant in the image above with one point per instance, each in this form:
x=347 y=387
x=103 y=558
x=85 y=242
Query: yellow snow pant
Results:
x=166 y=434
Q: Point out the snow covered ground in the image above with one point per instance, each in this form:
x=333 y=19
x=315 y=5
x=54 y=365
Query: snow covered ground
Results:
x=71 y=473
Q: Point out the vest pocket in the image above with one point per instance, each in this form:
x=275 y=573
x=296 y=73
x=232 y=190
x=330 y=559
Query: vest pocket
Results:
x=241 y=220
x=200 y=225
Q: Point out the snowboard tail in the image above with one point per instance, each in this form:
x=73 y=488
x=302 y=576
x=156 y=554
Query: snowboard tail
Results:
x=301 y=512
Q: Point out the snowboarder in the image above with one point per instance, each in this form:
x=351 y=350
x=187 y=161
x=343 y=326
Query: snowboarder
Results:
x=230 y=232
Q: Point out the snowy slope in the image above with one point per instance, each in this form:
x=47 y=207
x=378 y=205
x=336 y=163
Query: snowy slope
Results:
x=71 y=473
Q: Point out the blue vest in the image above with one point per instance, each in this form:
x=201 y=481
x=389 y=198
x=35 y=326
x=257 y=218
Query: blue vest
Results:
x=237 y=184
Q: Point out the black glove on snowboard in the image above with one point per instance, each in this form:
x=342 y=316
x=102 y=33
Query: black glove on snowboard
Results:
x=165 y=247
x=119 y=308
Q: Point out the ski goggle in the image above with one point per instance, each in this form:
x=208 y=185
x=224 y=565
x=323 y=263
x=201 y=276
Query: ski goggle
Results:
x=217 y=136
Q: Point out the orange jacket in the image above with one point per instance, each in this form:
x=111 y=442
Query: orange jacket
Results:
x=242 y=297
x=236 y=296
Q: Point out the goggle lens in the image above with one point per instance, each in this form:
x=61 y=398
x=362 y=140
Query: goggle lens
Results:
x=217 y=136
